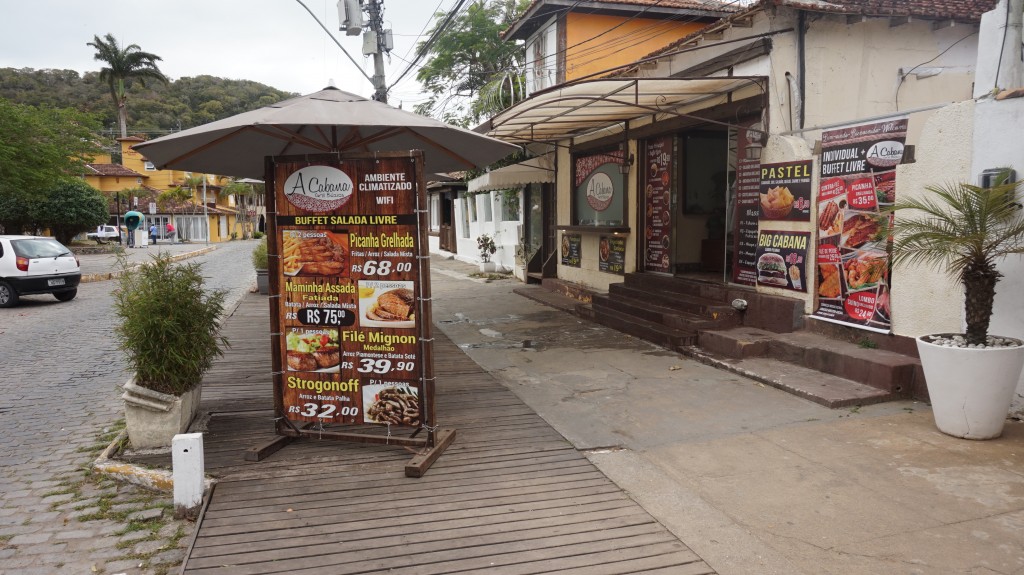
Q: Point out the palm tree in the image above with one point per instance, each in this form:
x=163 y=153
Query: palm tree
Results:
x=965 y=230
x=123 y=66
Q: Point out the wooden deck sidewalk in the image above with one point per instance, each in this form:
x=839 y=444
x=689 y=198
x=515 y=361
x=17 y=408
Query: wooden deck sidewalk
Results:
x=510 y=496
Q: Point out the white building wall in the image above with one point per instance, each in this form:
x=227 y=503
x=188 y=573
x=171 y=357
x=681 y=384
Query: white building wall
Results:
x=504 y=233
x=924 y=300
x=996 y=142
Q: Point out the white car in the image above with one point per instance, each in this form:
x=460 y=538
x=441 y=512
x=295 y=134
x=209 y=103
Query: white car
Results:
x=104 y=233
x=36 y=265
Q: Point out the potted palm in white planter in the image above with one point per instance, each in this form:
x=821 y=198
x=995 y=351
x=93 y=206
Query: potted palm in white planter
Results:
x=487 y=248
x=965 y=231
x=169 y=332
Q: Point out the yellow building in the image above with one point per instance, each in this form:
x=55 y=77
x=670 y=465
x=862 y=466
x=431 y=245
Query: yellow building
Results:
x=203 y=213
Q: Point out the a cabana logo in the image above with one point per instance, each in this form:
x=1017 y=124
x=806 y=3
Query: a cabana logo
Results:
x=318 y=188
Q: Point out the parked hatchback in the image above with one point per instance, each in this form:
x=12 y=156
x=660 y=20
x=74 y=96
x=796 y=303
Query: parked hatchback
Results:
x=36 y=265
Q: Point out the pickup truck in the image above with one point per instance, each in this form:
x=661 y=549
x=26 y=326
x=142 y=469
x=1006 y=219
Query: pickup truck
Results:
x=103 y=233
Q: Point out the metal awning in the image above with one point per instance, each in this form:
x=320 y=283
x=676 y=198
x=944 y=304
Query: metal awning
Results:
x=539 y=170
x=576 y=109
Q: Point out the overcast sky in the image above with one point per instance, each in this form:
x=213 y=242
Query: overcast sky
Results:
x=275 y=42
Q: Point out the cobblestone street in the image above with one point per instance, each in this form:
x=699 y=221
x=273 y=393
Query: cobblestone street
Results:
x=59 y=405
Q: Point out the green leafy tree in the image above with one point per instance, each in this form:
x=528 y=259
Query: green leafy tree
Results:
x=124 y=65
x=467 y=58
x=71 y=207
x=39 y=147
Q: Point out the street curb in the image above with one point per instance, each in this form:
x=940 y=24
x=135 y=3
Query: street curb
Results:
x=88 y=278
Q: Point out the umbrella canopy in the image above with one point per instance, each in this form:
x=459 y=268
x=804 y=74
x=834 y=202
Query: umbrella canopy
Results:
x=326 y=121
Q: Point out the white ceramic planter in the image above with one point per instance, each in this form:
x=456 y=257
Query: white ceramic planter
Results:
x=488 y=267
x=153 y=418
x=970 y=389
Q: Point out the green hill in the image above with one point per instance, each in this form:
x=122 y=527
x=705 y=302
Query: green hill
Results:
x=152 y=110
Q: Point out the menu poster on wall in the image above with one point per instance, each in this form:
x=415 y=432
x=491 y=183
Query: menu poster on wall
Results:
x=745 y=207
x=350 y=308
x=786 y=191
x=611 y=253
x=857 y=182
x=657 y=178
x=571 y=250
x=599 y=189
x=782 y=259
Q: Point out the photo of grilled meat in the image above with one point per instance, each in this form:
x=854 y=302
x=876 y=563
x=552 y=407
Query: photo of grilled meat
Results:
x=394 y=305
x=319 y=256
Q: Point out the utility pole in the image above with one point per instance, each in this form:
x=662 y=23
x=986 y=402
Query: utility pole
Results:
x=376 y=40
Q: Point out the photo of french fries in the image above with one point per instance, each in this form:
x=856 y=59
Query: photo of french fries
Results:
x=313 y=253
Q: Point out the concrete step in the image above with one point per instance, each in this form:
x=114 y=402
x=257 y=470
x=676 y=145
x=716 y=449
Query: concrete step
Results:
x=679 y=285
x=547 y=297
x=889 y=371
x=653 y=332
x=675 y=302
x=821 y=388
x=666 y=315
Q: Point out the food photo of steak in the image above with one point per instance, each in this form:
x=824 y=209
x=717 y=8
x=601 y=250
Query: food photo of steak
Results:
x=327 y=356
x=859 y=230
x=299 y=361
x=395 y=305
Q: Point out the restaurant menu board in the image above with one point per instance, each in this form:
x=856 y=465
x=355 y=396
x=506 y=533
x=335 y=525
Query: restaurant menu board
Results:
x=745 y=208
x=657 y=177
x=611 y=253
x=858 y=181
x=786 y=191
x=349 y=298
x=571 y=249
x=781 y=259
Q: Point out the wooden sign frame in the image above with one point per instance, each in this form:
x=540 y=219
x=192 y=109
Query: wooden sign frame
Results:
x=327 y=218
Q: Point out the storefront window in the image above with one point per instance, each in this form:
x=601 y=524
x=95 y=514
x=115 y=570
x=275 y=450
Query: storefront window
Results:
x=435 y=212
x=599 y=194
x=464 y=204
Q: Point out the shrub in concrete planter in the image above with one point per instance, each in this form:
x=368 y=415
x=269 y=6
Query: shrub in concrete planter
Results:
x=965 y=230
x=261 y=261
x=168 y=326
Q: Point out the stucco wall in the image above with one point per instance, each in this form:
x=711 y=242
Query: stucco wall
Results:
x=997 y=128
x=925 y=300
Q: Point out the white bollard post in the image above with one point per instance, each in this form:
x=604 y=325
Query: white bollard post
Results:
x=188 y=465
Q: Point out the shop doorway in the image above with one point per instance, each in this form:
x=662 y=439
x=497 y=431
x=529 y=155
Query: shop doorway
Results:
x=446 y=229
x=685 y=183
x=538 y=238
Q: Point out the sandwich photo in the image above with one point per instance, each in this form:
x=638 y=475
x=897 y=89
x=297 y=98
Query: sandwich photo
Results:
x=771 y=270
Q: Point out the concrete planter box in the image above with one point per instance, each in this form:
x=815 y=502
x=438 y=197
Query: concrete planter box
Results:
x=154 y=418
x=488 y=267
x=263 y=281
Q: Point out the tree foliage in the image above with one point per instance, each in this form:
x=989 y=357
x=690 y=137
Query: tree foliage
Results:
x=123 y=66
x=39 y=148
x=70 y=208
x=468 y=57
x=182 y=104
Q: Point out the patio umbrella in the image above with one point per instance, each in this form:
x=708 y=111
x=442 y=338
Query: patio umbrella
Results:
x=330 y=120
